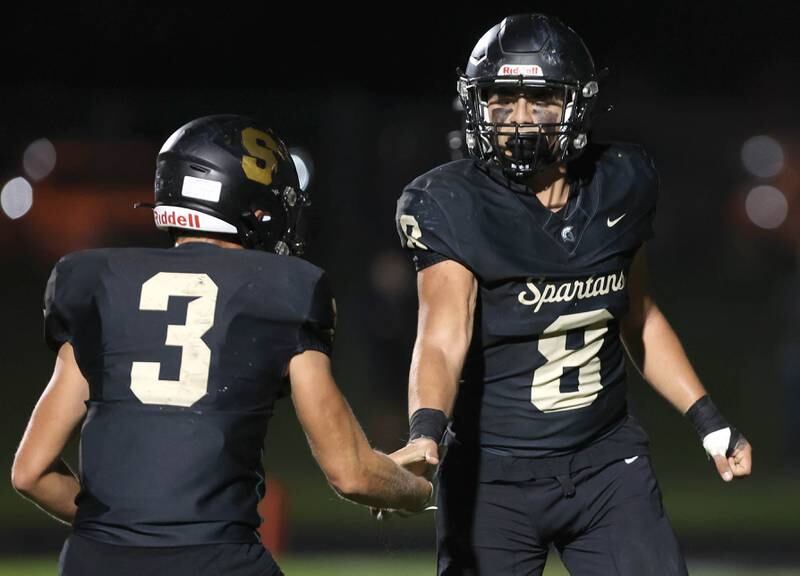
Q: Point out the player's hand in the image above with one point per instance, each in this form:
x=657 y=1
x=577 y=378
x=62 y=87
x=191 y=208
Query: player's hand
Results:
x=420 y=457
x=731 y=452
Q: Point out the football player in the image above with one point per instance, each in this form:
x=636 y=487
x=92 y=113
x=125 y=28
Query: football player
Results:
x=173 y=360
x=532 y=287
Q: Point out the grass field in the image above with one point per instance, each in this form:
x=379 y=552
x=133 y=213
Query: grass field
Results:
x=390 y=565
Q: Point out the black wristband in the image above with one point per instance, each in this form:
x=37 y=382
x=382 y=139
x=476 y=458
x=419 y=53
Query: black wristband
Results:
x=705 y=417
x=427 y=422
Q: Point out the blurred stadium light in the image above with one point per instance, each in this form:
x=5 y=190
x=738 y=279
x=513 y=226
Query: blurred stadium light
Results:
x=39 y=159
x=762 y=156
x=16 y=198
x=766 y=206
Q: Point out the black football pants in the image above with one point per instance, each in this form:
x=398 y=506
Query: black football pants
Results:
x=82 y=556
x=605 y=520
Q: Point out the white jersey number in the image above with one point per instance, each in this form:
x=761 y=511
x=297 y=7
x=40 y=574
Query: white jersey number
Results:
x=546 y=392
x=192 y=383
x=412 y=232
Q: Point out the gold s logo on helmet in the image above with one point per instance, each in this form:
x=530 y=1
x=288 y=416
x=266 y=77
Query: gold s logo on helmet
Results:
x=261 y=163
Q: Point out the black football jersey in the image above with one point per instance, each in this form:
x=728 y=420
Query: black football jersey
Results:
x=545 y=373
x=185 y=351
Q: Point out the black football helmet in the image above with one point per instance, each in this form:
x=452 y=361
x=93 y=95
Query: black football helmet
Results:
x=214 y=173
x=529 y=51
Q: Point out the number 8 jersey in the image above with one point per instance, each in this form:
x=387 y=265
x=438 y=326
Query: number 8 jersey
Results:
x=185 y=351
x=545 y=373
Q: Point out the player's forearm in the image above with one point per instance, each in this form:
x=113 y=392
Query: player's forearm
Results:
x=433 y=380
x=664 y=363
x=352 y=467
x=54 y=491
x=447 y=298
x=380 y=483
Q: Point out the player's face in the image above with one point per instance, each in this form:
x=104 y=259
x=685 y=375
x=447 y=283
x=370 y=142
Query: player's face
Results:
x=523 y=106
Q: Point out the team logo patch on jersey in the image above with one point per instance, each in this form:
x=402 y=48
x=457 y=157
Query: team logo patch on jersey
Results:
x=535 y=295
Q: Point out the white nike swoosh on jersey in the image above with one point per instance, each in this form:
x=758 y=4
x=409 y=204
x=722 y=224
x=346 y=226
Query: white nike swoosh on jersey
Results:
x=631 y=460
x=613 y=222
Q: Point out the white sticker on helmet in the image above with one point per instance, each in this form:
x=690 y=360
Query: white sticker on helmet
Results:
x=208 y=190
x=179 y=217
x=520 y=70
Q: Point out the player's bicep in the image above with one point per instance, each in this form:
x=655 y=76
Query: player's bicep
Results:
x=57 y=413
x=330 y=426
x=447 y=295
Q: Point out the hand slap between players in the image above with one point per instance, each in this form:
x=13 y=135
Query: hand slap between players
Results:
x=420 y=457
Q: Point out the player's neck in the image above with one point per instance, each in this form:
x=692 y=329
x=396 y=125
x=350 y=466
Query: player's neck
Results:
x=216 y=242
x=551 y=187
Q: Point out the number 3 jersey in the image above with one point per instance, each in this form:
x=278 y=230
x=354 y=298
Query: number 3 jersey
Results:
x=545 y=373
x=185 y=351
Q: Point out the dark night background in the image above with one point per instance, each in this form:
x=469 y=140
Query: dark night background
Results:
x=368 y=93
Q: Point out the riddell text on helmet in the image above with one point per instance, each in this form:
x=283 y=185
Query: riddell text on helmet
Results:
x=173 y=219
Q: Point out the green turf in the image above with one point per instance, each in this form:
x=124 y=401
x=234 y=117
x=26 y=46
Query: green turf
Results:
x=27 y=567
x=388 y=565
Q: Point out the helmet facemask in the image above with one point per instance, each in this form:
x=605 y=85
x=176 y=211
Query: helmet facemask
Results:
x=555 y=135
x=277 y=229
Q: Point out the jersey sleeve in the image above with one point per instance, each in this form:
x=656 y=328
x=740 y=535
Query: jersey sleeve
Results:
x=58 y=310
x=319 y=323
x=424 y=228
x=647 y=190
x=69 y=295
